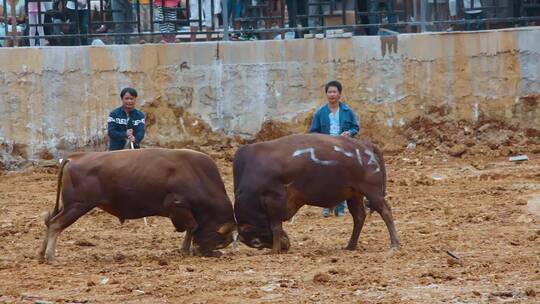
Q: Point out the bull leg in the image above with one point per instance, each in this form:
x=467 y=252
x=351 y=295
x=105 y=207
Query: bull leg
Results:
x=358 y=213
x=277 y=231
x=183 y=220
x=276 y=206
x=41 y=254
x=60 y=222
x=294 y=203
x=380 y=205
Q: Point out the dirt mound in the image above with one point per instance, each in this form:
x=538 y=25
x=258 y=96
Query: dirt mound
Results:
x=436 y=130
x=272 y=129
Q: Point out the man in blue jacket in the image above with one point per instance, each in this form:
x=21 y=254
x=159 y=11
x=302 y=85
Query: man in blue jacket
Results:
x=337 y=119
x=125 y=123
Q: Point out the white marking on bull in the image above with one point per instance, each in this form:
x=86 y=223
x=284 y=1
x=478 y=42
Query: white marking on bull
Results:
x=372 y=159
x=235 y=241
x=338 y=149
x=359 y=157
x=314 y=158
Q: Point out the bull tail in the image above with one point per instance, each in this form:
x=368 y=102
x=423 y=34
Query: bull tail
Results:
x=380 y=158
x=383 y=168
x=56 y=210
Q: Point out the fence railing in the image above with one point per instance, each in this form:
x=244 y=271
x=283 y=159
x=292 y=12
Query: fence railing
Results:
x=82 y=22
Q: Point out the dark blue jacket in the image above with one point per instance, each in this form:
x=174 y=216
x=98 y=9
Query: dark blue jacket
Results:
x=119 y=123
x=347 y=120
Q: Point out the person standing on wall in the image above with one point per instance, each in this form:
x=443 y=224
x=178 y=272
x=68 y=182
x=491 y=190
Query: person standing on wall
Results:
x=337 y=119
x=126 y=123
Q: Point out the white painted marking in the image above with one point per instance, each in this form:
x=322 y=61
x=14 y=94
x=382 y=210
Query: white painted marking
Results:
x=372 y=159
x=338 y=149
x=359 y=157
x=314 y=158
x=235 y=241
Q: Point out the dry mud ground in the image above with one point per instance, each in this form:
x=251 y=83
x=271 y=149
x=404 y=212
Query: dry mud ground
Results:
x=480 y=209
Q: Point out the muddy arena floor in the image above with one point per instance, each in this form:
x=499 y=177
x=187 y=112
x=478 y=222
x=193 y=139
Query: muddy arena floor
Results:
x=483 y=210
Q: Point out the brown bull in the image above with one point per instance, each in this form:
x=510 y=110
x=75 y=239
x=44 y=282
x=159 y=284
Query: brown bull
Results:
x=273 y=179
x=182 y=185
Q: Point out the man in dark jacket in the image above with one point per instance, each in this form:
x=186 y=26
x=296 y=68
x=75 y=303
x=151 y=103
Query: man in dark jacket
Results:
x=337 y=119
x=125 y=123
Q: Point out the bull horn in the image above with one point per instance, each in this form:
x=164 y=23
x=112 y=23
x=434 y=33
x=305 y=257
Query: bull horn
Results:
x=226 y=228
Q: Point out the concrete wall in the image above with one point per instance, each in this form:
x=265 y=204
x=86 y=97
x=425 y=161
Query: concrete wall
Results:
x=54 y=100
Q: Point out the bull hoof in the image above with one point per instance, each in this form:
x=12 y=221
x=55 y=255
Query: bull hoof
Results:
x=279 y=251
x=350 y=247
x=185 y=252
x=395 y=246
x=50 y=261
x=213 y=254
x=210 y=254
x=41 y=259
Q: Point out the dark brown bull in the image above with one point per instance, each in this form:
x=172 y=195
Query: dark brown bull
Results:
x=182 y=185
x=273 y=179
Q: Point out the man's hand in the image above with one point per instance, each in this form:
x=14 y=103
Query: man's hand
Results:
x=129 y=133
x=346 y=134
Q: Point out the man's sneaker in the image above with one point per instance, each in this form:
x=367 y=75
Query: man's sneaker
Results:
x=325 y=212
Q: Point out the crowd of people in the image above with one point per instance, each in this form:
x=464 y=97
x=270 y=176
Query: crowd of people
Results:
x=68 y=22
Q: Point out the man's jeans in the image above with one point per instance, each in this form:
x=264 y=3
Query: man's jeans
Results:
x=339 y=209
x=474 y=26
x=78 y=24
x=122 y=13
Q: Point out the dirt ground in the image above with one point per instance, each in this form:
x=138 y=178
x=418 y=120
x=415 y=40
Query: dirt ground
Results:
x=480 y=209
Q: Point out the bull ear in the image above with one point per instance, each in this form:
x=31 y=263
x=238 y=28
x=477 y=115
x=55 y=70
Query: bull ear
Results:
x=226 y=228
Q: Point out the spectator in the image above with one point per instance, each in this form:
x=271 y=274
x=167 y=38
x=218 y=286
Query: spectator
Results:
x=208 y=17
x=166 y=17
x=78 y=14
x=58 y=18
x=101 y=10
x=437 y=11
x=144 y=14
x=126 y=123
x=234 y=8
x=473 y=11
x=295 y=8
x=337 y=119
x=315 y=11
x=35 y=21
x=122 y=17
x=452 y=10
x=19 y=19
x=532 y=9
x=386 y=17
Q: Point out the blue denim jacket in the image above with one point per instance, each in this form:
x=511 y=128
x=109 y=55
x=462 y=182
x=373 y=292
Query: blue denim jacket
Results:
x=347 y=120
